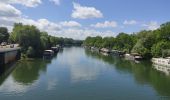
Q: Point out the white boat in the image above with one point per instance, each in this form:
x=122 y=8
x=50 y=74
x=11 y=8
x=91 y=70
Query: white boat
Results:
x=161 y=61
x=48 y=53
x=94 y=49
x=105 y=50
x=55 y=49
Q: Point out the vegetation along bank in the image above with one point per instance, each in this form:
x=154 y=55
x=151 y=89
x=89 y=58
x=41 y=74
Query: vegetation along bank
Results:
x=147 y=43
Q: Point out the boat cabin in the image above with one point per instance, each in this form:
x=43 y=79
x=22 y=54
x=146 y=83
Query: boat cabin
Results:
x=55 y=49
x=48 y=53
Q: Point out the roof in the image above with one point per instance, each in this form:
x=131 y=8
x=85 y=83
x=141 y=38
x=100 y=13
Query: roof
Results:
x=54 y=47
x=135 y=54
x=138 y=57
x=48 y=50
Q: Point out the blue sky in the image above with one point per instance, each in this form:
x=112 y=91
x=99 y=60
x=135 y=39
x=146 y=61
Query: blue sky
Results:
x=81 y=18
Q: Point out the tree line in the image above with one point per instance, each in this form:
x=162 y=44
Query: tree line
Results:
x=32 y=41
x=147 y=43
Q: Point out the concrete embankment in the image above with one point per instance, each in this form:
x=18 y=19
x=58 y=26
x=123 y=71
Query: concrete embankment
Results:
x=8 y=55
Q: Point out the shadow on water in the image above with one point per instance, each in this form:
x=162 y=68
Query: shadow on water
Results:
x=27 y=72
x=24 y=71
x=143 y=73
x=5 y=71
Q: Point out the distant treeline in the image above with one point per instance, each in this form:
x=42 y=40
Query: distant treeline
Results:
x=148 y=44
x=32 y=41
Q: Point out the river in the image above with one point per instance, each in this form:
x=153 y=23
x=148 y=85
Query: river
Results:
x=79 y=74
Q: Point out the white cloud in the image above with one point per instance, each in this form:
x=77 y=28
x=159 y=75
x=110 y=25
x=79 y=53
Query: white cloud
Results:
x=55 y=29
x=70 y=24
x=11 y=86
x=106 y=24
x=43 y=25
x=130 y=22
x=57 y=2
x=83 y=12
x=153 y=25
x=78 y=33
x=28 y=3
x=7 y=10
x=51 y=83
x=72 y=29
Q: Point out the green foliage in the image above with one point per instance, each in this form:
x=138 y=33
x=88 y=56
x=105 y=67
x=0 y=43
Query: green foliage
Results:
x=165 y=31
x=4 y=35
x=146 y=43
x=140 y=49
x=14 y=37
x=27 y=36
x=44 y=39
x=123 y=42
x=158 y=48
x=30 y=52
x=108 y=42
x=34 y=42
x=1 y=37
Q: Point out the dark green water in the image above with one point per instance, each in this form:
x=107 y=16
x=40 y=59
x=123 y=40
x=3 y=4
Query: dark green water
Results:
x=78 y=74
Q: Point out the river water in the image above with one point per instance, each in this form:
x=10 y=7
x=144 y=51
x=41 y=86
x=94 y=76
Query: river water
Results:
x=79 y=74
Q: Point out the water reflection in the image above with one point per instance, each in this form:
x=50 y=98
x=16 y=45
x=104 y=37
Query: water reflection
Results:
x=80 y=68
x=28 y=71
x=5 y=71
x=142 y=72
x=164 y=69
x=78 y=74
x=19 y=77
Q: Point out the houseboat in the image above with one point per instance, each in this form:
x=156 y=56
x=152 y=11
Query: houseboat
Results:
x=55 y=49
x=105 y=50
x=133 y=56
x=94 y=49
x=48 y=53
x=117 y=53
x=162 y=61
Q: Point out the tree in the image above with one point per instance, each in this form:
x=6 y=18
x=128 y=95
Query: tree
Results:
x=158 y=48
x=27 y=36
x=68 y=41
x=140 y=49
x=30 y=52
x=147 y=43
x=98 y=41
x=14 y=37
x=44 y=40
x=89 y=41
x=4 y=35
x=124 y=42
x=165 y=31
x=108 y=42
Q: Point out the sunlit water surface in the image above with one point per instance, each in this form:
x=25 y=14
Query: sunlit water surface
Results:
x=79 y=74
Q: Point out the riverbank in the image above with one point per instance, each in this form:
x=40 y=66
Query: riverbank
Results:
x=133 y=56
